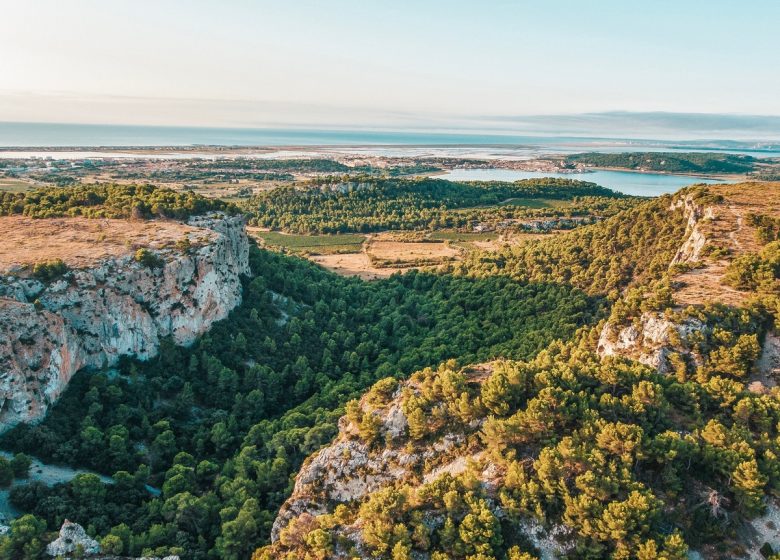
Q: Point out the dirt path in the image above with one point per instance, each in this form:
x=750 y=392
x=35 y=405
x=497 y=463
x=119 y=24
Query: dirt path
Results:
x=48 y=475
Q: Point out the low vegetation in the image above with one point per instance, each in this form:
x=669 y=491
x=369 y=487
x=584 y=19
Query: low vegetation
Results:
x=47 y=271
x=758 y=272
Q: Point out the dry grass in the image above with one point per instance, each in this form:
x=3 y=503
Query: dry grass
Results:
x=354 y=264
x=381 y=258
x=730 y=230
x=388 y=252
x=81 y=242
x=400 y=252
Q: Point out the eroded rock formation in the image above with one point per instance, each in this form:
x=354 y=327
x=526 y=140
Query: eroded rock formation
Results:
x=120 y=307
x=72 y=539
x=350 y=470
x=648 y=340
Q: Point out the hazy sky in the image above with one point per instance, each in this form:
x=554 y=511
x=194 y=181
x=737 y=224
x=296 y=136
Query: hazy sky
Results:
x=388 y=63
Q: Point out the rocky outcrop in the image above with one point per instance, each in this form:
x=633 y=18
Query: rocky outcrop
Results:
x=72 y=539
x=769 y=362
x=351 y=470
x=762 y=532
x=648 y=340
x=695 y=240
x=120 y=307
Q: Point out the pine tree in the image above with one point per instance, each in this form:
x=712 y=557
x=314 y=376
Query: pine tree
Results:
x=748 y=483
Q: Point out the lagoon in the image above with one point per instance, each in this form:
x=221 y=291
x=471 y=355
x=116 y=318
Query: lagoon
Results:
x=627 y=182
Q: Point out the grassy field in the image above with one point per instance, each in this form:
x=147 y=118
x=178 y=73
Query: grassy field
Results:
x=400 y=253
x=8 y=184
x=316 y=244
x=462 y=236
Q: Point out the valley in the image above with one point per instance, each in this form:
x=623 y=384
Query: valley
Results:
x=389 y=280
x=553 y=353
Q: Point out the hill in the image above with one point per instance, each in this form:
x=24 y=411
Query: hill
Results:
x=565 y=401
x=334 y=205
x=578 y=452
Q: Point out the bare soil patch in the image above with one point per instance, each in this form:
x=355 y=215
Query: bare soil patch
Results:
x=354 y=264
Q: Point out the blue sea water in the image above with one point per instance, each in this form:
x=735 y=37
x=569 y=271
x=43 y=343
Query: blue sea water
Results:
x=14 y=135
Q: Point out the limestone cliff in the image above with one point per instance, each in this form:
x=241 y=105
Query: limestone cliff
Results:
x=90 y=317
x=695 y=239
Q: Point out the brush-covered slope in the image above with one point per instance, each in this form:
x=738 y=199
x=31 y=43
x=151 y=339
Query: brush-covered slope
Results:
x=579 y=452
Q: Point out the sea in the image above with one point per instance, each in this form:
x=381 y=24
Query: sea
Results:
x=80 y=141
x=32 y=135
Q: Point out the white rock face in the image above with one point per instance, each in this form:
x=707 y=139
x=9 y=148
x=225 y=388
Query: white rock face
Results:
x=347 y=470
x=92 y=317
x=72 y=536
x=649 y=343
x=769 y=363
x=690 y=250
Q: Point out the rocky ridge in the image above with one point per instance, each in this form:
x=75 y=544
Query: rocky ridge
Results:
x=695 y=239
x=120 y=307
x=351 y=471
x=356 y=466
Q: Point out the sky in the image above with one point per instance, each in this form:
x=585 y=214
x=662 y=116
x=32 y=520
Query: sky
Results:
x=391 y=63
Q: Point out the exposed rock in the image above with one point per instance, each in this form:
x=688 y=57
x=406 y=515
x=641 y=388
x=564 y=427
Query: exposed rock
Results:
x=349 y=471
x=72 y=538
x=92 y=317
x=690 y=251
x=549 y=542
x=763 y=530
x=649 y=342
x=396 y=422
x=768 y=364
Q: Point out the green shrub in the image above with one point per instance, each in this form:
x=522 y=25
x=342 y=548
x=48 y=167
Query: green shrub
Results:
x=148 y=259
x=47 y=271
x=20 y=464
x=756 y=271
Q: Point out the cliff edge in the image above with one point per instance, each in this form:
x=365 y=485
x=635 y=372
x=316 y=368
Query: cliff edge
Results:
x=120 y=302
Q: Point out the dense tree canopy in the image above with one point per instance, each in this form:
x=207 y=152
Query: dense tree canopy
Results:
x=338 y=205
x=234 y=416
x=107 y=201
x=672 y=162
x=203 y=442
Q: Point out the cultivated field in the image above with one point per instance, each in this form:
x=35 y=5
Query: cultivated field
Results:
x=355 y=264
x=311 y=244
x=381 y=254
